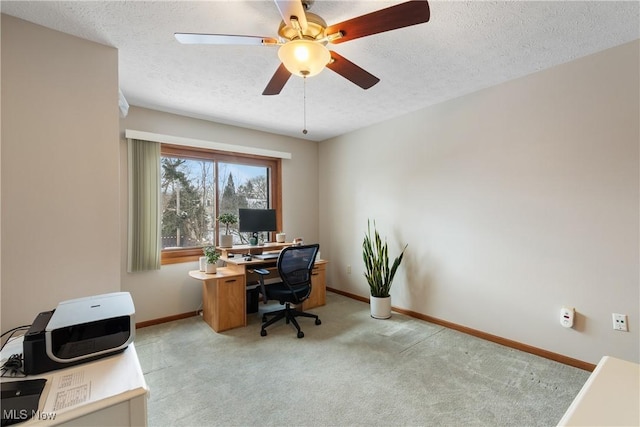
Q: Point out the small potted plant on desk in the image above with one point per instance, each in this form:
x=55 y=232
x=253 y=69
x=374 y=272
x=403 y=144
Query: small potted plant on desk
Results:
x=379 y=274
x=226 y=240
x=212 y=259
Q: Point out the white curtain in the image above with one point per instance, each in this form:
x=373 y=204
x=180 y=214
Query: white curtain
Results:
x=144 y=206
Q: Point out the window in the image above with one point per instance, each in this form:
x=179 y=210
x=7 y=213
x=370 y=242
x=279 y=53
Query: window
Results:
x=198 y=185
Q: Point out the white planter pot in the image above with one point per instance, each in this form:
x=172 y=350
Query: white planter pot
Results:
x=226 y=240
x=380 y=307
x=211 y=268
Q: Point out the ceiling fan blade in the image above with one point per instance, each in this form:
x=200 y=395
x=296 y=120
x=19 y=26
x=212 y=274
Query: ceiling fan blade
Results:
x=224 y=39
x=394 y=17
x=278 y=81
x=289 y=8
x=351 y=71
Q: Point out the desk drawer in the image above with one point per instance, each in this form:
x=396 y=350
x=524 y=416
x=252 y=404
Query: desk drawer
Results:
x=224 y=302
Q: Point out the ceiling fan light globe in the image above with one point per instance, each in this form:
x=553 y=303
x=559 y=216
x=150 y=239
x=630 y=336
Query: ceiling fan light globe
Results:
x=301 y=53
x=304 y=58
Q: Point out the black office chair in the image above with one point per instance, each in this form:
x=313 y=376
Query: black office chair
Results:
x=295 y=264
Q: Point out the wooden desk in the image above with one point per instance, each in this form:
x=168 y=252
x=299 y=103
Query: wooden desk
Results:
x=224 y=295
x=318 y=295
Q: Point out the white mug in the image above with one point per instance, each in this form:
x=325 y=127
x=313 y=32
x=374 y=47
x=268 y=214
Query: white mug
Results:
x=280 y=237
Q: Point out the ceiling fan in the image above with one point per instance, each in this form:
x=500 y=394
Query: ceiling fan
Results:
x=303 y=37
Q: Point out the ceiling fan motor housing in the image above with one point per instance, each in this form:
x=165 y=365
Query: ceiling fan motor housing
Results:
x=315 y=30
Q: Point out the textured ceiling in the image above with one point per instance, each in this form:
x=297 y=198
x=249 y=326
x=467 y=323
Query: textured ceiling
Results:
x=465 y=47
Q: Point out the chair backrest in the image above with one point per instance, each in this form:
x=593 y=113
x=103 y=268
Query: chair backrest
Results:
x=295 y=264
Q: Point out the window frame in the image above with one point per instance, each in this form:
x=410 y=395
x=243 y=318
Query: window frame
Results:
x=175 y=256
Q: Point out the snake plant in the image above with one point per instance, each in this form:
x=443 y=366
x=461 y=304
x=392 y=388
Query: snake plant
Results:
x=375 y=254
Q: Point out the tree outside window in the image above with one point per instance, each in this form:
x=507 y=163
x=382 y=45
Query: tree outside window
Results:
x=192 y=197
x=187 y=208
x=250 y=192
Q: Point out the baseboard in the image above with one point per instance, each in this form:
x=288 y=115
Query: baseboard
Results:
x=483 y=335
x=348 y=294
x=165 y=319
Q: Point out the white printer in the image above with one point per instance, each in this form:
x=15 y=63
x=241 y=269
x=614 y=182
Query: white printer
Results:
x=78 y=331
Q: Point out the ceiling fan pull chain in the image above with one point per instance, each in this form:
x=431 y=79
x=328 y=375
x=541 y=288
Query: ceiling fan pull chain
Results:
x=304 y=103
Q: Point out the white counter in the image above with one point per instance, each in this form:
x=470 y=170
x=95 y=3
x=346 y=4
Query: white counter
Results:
x=610 y=397
x=107 y=392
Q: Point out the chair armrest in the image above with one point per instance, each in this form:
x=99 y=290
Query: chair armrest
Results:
x=261 y=272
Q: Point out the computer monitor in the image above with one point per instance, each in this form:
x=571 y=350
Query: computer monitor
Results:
x=256 y=220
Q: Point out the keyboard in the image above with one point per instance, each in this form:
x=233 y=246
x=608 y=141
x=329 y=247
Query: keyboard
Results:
x=270 y=255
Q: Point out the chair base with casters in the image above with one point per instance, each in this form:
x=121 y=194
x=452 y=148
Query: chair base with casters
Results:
x=289 y=314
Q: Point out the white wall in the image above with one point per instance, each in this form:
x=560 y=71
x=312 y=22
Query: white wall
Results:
x=60 y=170
x=170 y=291
x=514 y=201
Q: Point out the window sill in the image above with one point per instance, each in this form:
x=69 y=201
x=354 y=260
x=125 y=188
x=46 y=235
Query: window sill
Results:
x=177 y=256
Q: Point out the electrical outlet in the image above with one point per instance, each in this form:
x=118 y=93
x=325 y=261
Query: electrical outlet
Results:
x=348 y=269
x=620 y=322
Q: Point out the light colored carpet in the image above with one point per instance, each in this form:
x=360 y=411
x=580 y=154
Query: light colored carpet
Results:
x=351 y=370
